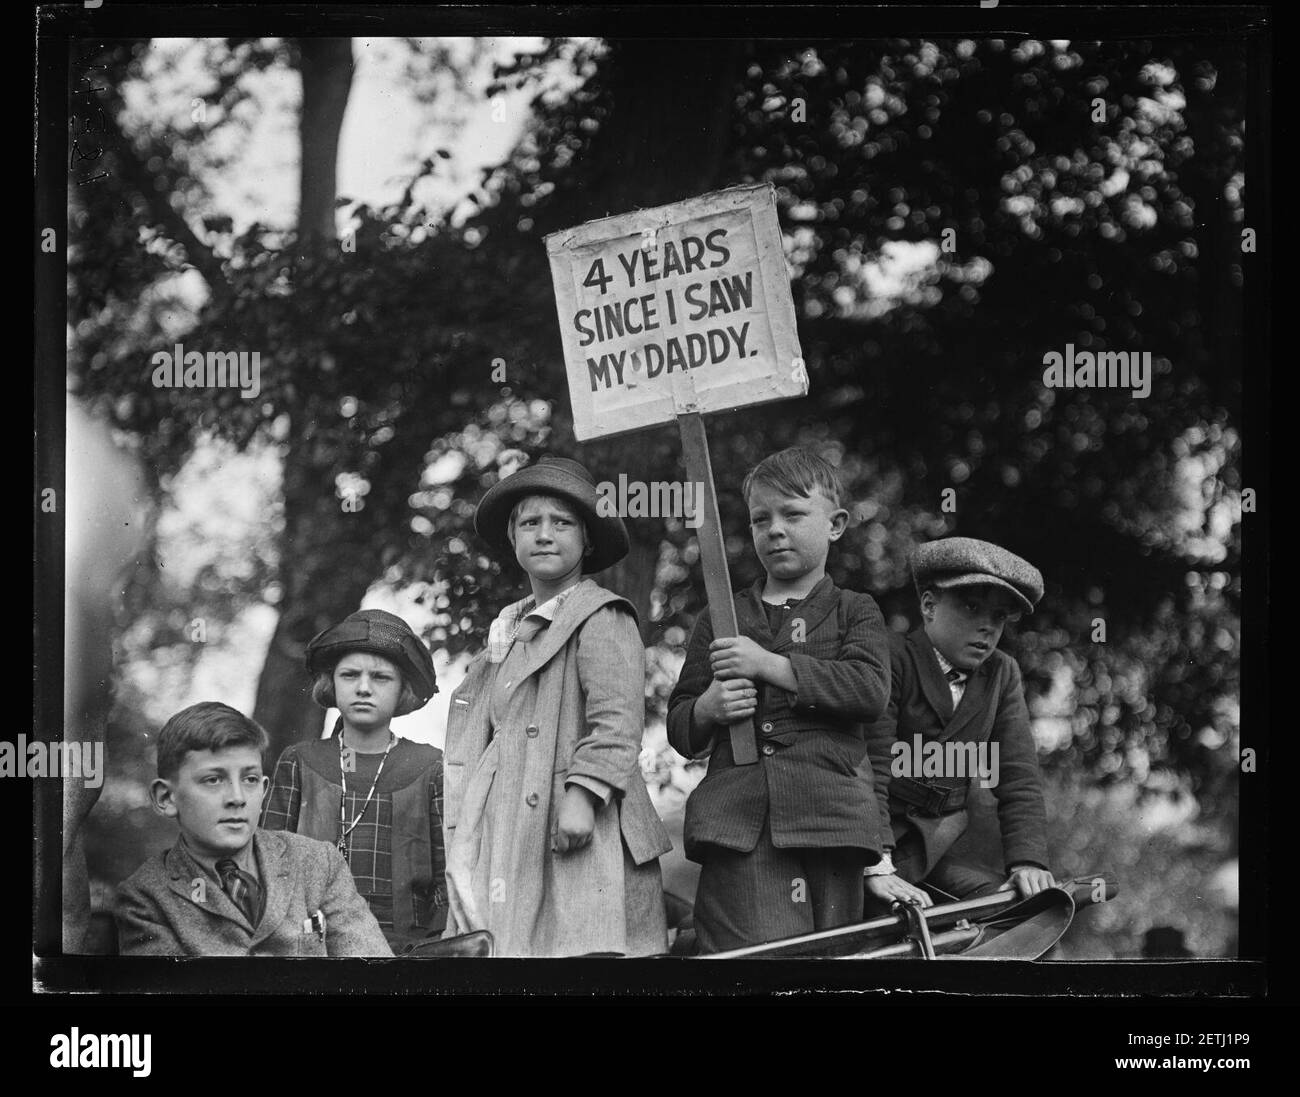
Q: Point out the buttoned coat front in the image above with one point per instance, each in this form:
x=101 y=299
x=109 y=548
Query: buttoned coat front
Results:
x=576 y=710
x=992 y=709
x=171 y=907
x=812 y=784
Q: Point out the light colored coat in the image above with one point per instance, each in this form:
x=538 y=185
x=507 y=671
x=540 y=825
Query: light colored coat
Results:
x=577 y=710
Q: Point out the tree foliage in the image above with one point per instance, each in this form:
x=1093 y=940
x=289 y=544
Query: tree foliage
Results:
x=953 y=211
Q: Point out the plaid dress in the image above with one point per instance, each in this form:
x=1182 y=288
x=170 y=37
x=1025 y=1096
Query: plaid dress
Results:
x=370 y=843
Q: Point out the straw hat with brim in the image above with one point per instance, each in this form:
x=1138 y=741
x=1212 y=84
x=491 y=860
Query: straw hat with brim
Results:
x=966 y=562
x=564 y=479
x=376 y=632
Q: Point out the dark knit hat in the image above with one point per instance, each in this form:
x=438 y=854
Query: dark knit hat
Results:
x=377 y=632
x=567 y=480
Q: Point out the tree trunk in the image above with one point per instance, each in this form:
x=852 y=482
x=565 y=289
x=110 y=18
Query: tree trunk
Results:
x=327 y=68
x=666 y=140
x=327 y=562
x=324 y=573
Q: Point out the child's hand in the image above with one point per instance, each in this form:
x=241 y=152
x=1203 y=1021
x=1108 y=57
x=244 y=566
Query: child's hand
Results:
x=575 y=821
x=738 y=657
x=894 y=889
x=726 y=702
x=1028 y=880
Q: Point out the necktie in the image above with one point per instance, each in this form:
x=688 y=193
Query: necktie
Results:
x=956 y=684
x=243 y=890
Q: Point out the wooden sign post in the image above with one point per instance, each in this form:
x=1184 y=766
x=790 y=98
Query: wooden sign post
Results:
x=673 y=313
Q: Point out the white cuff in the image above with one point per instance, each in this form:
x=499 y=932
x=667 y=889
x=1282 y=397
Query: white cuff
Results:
x=883 y=867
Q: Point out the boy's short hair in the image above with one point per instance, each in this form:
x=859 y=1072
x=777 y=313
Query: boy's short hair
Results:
x=796 y=471
x=322 y=692
x=209 y=725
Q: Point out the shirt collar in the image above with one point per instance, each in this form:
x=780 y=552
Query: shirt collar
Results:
x=210 y=866
x=502 y=631
x=946 y=666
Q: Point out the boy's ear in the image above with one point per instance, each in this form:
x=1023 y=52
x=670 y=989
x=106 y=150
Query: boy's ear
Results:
x=839 y=523
x=160 y=795
x=928 y=602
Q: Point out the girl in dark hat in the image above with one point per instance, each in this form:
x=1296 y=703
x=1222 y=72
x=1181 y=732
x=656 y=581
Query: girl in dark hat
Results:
x=552 y=842
x=374 y=795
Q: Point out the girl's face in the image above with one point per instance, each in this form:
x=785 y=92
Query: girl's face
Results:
x=549 y=539
x=367 y=688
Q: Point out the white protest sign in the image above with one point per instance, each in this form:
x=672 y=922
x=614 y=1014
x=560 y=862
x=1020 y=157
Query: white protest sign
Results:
x=676 y=309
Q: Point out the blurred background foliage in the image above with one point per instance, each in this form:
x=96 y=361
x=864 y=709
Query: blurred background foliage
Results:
x=952 y=211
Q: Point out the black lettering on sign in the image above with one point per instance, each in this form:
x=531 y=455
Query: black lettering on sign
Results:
x=721 y=249
x=725 y=295
x=588 y=336
x=672 y=264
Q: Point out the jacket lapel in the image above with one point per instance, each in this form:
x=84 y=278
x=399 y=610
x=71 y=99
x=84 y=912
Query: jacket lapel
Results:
x=751 y=618
x=817 y=605
x=183 y=870
x=269 y=848
x=933 y=684
x=972 y=701
x=580 y=605
x=820 y=603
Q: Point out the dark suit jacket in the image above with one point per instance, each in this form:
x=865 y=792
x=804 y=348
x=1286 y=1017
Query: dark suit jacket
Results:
x=992 y=709
x=171 y=907
x=812 y=783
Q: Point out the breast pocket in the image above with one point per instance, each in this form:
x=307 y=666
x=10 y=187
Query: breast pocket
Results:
x=311 y=944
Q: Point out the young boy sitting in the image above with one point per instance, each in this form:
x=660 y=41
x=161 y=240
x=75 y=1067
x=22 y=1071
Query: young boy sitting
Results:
x=951 y=685
x=227 y=888
x=783 y=842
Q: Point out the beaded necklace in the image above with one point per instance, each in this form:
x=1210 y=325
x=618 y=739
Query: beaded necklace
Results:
x=346 y=828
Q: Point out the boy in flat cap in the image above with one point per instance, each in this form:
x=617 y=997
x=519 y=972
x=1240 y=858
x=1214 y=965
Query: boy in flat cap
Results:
x=957 y=697
x=373 y=795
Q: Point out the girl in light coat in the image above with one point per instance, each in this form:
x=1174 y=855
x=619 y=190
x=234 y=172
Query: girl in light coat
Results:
x=552 y=842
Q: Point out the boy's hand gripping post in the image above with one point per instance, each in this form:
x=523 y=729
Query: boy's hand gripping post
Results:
x=713 y=555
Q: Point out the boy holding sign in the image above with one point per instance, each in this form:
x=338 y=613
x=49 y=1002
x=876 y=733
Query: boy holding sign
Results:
x=784 y=842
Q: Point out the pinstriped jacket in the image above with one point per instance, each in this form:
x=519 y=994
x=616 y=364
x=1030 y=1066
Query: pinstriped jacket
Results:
x=812 y=783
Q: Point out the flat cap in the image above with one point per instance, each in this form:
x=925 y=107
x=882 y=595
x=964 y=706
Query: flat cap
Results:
x=966 y=562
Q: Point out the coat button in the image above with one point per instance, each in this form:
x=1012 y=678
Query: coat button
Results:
x=531 y=731
x=767 y=729
x=769 y=749
x=532 y=799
